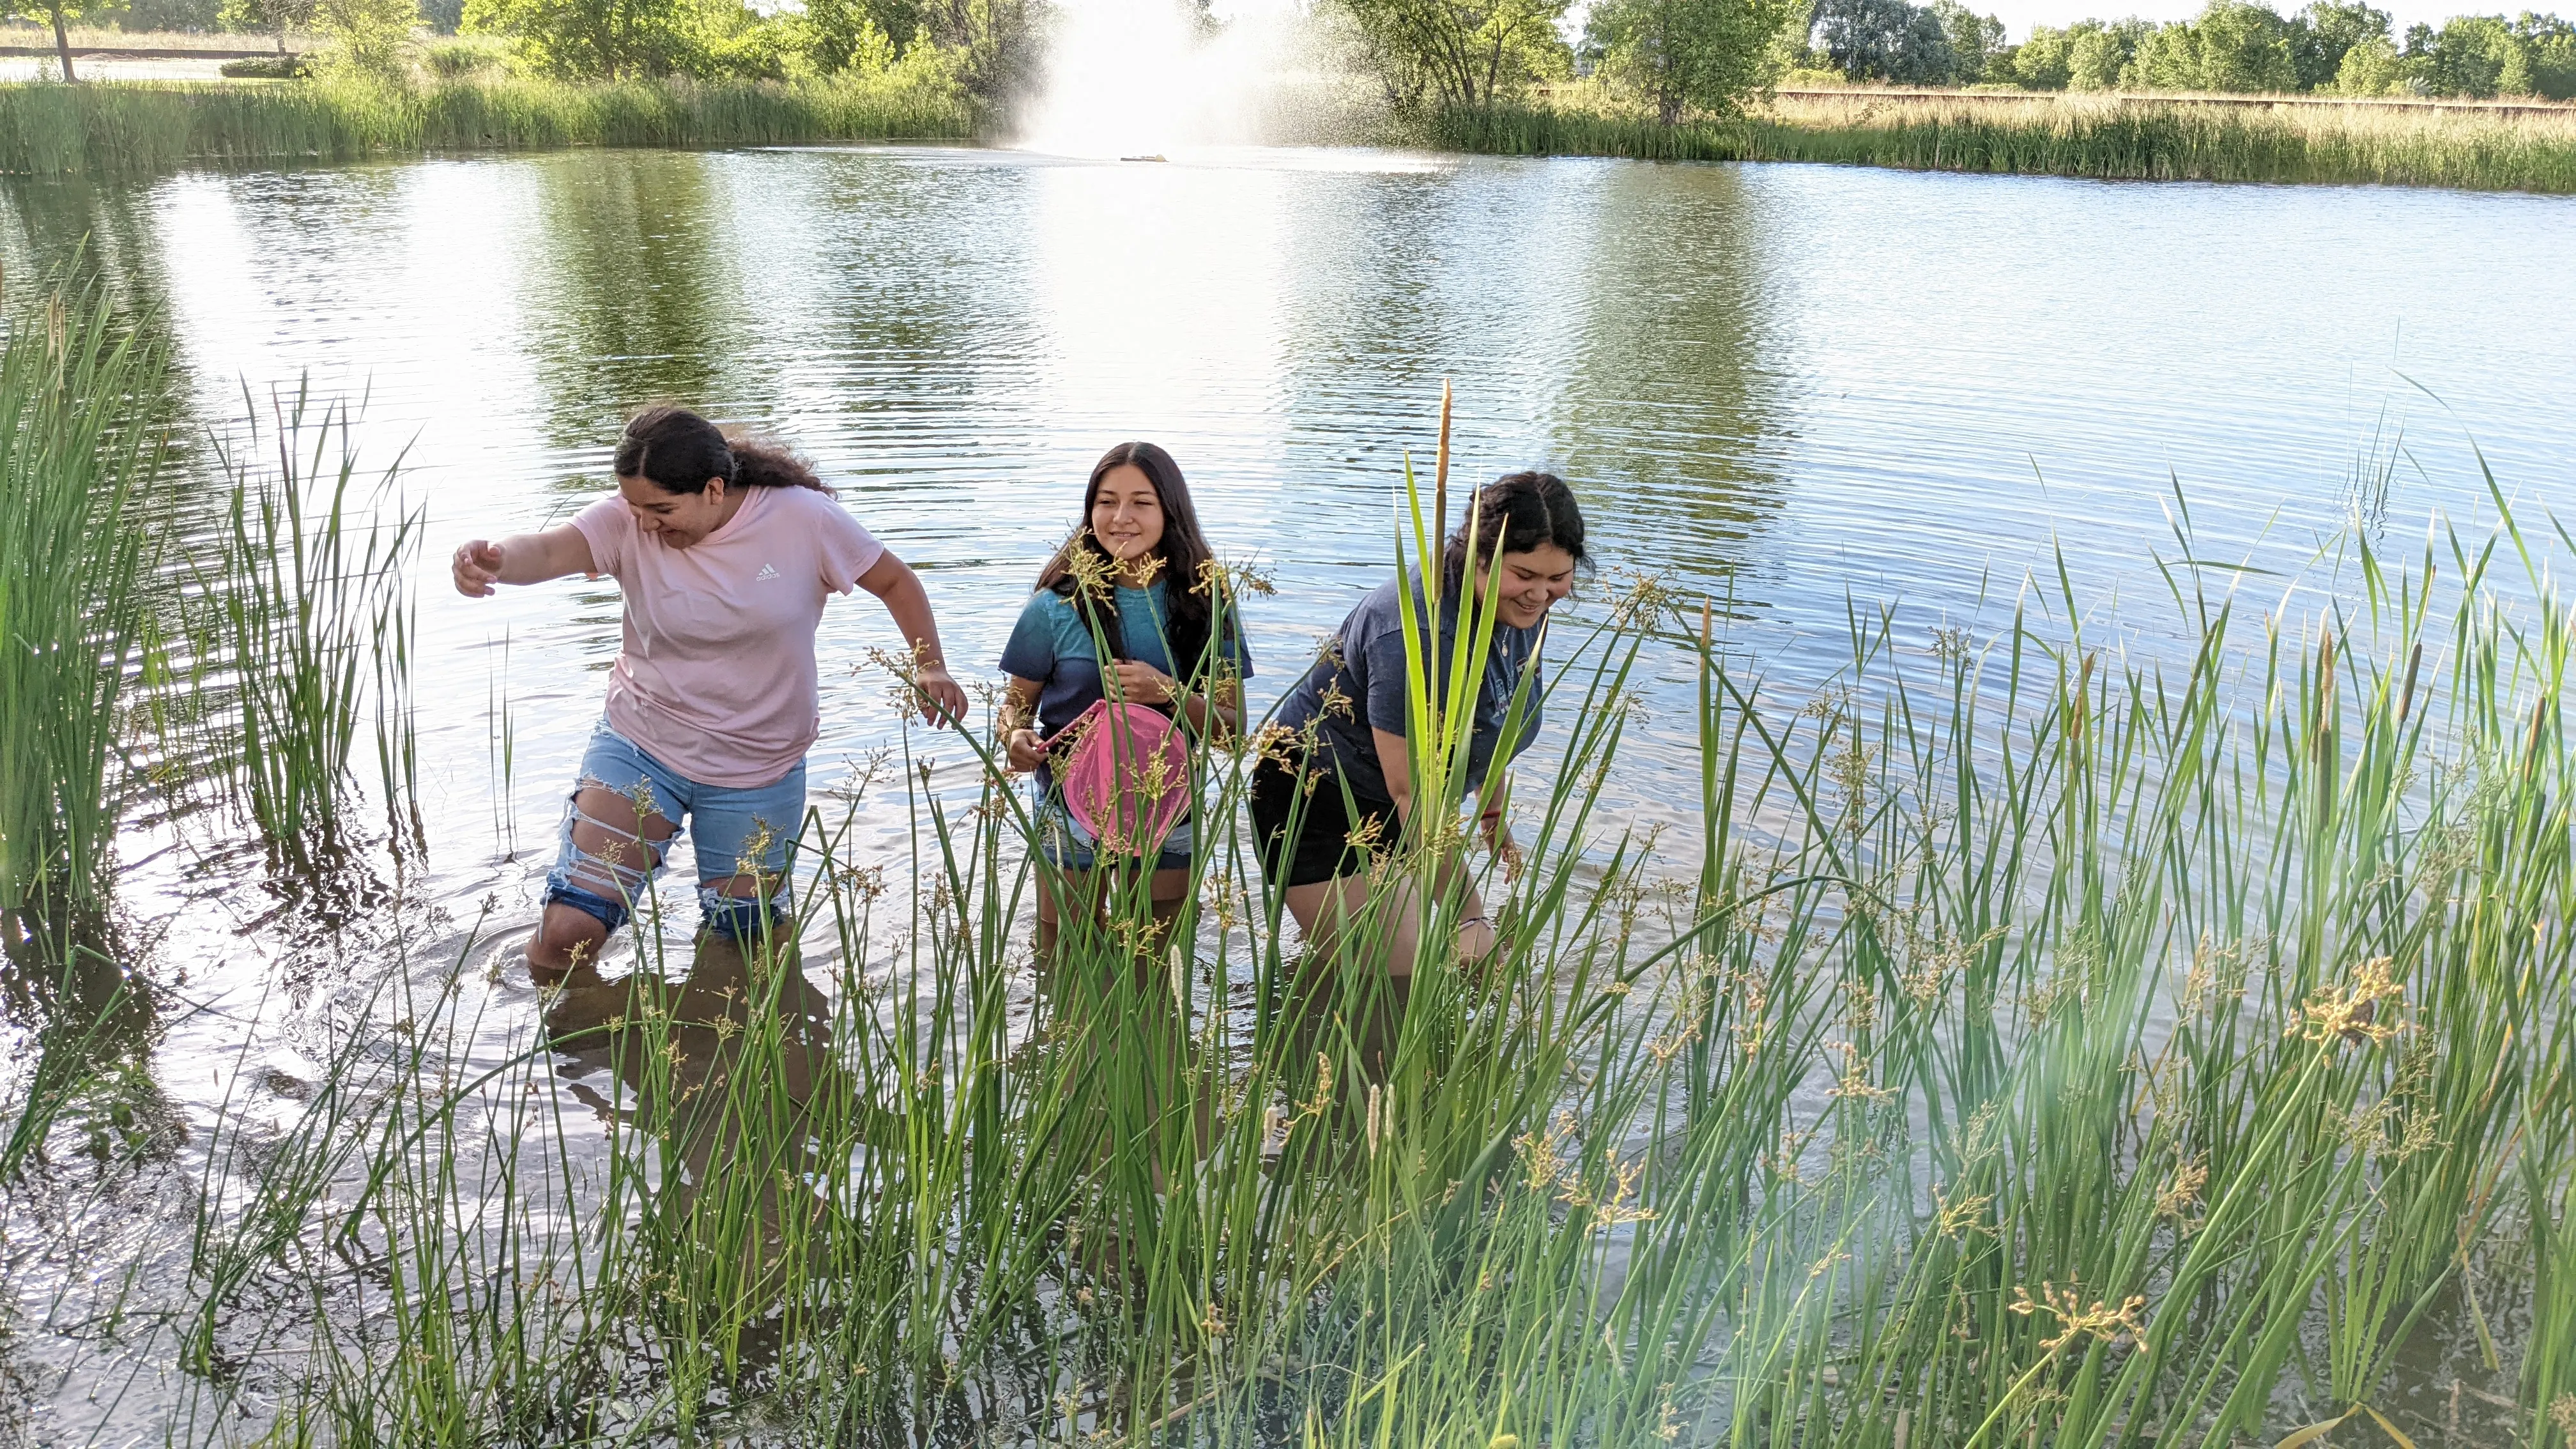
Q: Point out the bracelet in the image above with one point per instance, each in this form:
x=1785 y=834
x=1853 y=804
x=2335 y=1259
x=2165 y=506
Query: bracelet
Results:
x=1475 y=921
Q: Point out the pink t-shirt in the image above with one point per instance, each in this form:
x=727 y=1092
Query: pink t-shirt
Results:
x=716 y=675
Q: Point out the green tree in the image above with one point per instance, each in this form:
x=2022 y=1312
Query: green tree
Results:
x=2234 y=46
x=1686 y=55
x=1976 y=42
x=2469 y=56
x=2324 y=33
x=368 y=37
x=841 y=35
x=2040 y=63
x=170 y=15
x=2549 y=49
x=2371 y=68
x=62 y=13
x=277 y=17
x=2101 y=57
x=1886 y=40
x=991 y=46
x=612 y=39
x=1459 y=52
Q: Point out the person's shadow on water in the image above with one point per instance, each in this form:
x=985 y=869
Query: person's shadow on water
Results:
x=732 y=1088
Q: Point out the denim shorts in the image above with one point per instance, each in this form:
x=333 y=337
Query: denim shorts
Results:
x=1067 y=846
x=734 y=830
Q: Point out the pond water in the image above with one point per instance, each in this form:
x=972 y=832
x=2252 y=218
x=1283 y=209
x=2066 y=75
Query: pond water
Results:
x=1791 y=388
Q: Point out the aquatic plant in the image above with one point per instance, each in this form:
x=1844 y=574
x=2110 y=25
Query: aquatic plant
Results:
x=2035 y=1045
x=73 y=554
x=305 y=618
x=2110 y=137
x=144 y=127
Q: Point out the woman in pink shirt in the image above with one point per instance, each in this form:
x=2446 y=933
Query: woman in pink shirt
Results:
x=725 y=549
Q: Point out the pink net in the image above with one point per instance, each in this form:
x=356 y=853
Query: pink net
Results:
x=1126 y=778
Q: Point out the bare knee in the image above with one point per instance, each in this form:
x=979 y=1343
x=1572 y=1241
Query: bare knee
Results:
x=567 y=940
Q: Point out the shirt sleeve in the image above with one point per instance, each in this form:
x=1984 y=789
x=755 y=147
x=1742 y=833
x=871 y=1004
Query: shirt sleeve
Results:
x=843 y=548
x=1525 y=726
x=1031 y=651
x=610 y=529
x=1389 y=705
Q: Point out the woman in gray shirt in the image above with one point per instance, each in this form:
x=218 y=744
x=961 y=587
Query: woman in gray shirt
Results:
x=1321 y=817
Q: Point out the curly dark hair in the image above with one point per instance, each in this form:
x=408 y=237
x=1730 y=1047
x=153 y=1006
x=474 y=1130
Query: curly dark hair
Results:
x=680 y=452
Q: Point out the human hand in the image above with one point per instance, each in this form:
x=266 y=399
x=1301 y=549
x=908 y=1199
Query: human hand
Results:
x=1144 y=684
x=1024 y=750
x=476 y=567
x=941 y=696
x=1477 y=939
x=1507 y=851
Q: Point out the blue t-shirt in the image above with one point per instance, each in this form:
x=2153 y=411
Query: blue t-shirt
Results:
x=1365 y=663
x=1052 y=644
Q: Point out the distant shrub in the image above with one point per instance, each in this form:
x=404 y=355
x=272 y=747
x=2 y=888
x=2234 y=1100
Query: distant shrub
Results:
x=267 y=67
x=465 y=56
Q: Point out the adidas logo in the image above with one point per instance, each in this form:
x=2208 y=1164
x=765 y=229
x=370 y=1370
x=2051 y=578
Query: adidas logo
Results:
x=766 y=572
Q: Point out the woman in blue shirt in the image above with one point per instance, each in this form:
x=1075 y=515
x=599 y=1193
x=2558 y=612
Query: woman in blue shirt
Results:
x=1312 y=815
x=1131 y=608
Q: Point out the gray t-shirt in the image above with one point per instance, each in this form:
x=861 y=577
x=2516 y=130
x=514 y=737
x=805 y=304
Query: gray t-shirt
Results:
x=1364 y=663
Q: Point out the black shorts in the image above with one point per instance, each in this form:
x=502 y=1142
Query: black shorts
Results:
x=1322 y=848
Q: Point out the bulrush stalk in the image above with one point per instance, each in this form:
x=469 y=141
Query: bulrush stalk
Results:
x=76 y=455
x=302 y=617
x=2034 y=1045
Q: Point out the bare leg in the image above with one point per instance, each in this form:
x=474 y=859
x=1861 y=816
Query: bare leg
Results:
x=1329 y=913
x=612 y=841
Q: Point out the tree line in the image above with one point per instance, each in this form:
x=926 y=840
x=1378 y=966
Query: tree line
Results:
x=1677 y=58
x=2333 y=47
x=984 y=46
x=1709 y=57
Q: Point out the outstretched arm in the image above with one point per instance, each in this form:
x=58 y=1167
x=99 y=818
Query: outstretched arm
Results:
x=899 y=589
x=522 y=558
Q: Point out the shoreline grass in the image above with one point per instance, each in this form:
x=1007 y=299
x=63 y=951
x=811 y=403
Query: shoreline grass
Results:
x=145 y=127
x=74 y=633
x=2042 y=1049
x=150 y=127
x=2104 y=138
x=301 y=622
x=2034 y=1045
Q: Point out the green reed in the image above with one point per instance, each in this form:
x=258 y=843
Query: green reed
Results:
x=2109 y=138
x=148 y=127
x=304 y=616
x=2035 y=1045
x=73 y=633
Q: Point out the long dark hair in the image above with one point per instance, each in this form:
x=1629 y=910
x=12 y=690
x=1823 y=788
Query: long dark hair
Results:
x=1514 y=514
x=1187 y=607
x=679 y=451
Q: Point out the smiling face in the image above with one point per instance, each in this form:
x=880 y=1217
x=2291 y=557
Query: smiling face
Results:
x=1530 y=582
x=1127 y=514
x=680 y=518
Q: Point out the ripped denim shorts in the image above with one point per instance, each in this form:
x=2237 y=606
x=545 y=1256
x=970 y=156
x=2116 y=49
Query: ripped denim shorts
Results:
x=726 y=826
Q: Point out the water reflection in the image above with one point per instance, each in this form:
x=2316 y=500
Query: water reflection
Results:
x=628 y=292
x=1676 y=398
x=1802 y=385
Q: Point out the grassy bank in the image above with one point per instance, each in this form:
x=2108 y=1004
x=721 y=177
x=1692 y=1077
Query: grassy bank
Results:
x=2010 y=1043
x=2107 y=138
x=52 y=130
x=2026 y=1047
